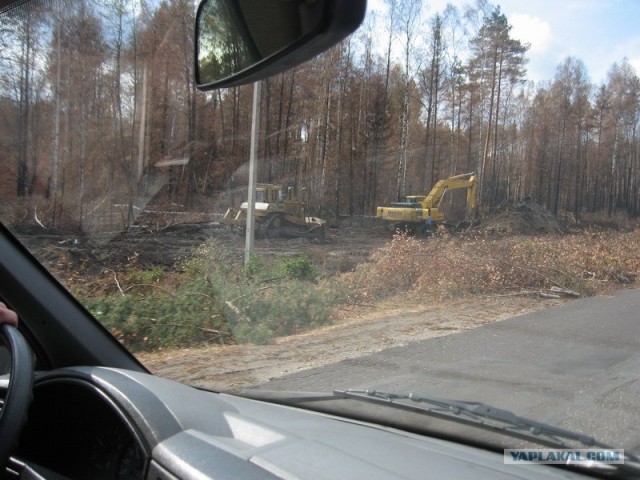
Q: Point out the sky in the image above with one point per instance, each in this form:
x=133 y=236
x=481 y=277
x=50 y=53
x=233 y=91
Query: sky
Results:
x=598 y=32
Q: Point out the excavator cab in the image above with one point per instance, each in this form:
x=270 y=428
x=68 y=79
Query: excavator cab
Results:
x=412 y=201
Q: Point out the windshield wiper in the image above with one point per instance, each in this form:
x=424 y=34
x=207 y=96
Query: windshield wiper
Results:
x=488 y=417
x=474 y=413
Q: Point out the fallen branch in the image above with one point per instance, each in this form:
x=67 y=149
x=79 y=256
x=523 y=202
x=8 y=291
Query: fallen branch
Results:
x=365 y=305
x=115 y=278
x=250 y=293
x=564 y=291
x=485 y=257
x=620 y=278
x=554 y=292
x=168 y=292
x=203 y=329
x=199 y=294
x=517 y=294
x=238 y=312
x=35 y=217
x=548 y=295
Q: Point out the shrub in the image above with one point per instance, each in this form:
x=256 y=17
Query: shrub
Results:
x=587 y=263
x=298 y=267
x=217 y=299
x=161 y=319
x=393 y=268
x=145 y=276
x=255 y=266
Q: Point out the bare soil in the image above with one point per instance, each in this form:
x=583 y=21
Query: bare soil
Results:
x=360 y=333
x=525 y=217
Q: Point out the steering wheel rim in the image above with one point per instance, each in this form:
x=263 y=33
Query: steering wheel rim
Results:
x=19 y=394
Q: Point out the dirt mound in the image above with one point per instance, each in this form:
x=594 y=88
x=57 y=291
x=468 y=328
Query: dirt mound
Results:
x=526 y=217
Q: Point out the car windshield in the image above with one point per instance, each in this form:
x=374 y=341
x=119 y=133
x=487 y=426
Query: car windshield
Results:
x=446 y=201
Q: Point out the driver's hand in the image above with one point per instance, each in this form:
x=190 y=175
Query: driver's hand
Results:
x=8 y=316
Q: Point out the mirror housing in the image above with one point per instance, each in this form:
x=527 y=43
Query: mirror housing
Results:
x=242 y=41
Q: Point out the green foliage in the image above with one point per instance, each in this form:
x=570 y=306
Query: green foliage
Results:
x=256 y=334
x=282 y=308
x=217 y=299
x=276 y=299
x=145 y=276
x=158 y=319
x=298 y=268
x=255 y=266
x=211 y=257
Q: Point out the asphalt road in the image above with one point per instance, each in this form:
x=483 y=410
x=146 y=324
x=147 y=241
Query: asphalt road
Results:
x=575 y=366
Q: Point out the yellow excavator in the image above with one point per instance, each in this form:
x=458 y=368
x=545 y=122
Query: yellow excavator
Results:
x=420 y=213
x=278 y=214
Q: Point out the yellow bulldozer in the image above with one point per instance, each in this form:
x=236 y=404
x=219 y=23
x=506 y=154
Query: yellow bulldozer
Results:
x=421 y=213
x=278 y=214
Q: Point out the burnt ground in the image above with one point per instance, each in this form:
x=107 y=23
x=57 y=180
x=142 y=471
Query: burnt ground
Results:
x=347 y=244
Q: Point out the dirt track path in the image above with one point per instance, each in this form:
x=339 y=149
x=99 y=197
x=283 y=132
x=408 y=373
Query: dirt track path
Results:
x=239 y=366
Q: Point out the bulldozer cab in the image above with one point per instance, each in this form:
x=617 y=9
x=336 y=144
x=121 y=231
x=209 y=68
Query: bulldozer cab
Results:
x=268 y=193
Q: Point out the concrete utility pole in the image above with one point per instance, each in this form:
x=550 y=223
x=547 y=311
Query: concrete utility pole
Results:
x=142 y=139
x=251 y=197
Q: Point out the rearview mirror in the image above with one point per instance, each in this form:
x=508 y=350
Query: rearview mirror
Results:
x=241 y=41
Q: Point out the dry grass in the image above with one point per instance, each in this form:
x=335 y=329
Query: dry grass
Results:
x=588 y=262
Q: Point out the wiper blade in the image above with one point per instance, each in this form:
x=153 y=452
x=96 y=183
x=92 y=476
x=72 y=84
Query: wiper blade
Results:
x=476 y=414
x=491 y=418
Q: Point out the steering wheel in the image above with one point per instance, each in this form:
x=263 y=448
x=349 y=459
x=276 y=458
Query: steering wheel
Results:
x=19 y=393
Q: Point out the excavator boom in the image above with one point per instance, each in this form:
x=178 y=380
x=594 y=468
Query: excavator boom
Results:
x=467 y=180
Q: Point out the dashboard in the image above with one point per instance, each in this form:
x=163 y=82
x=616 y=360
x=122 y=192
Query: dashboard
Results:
x=99 y=423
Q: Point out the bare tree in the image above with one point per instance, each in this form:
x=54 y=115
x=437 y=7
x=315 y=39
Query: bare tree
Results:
x=498 y=61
